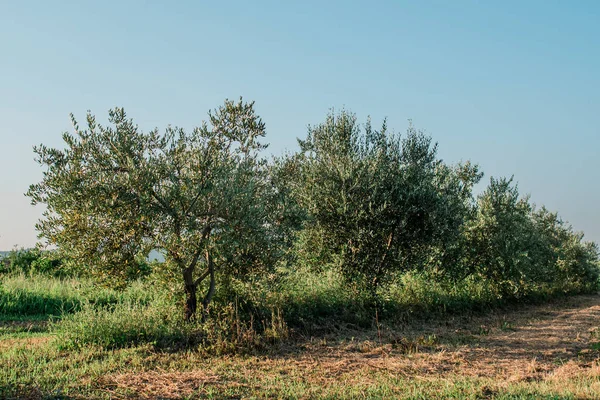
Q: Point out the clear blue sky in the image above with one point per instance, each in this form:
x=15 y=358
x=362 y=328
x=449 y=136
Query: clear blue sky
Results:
x=511 y=85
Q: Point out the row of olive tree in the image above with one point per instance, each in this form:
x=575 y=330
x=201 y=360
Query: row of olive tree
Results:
x=367 y=202
x=511 y=243
x=378 y=204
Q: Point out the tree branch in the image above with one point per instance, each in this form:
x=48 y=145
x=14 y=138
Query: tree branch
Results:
x=205 y=234
x=211 y=288
x=201 y=277
x=161 y=202
x=193 y=203
x=195 y=259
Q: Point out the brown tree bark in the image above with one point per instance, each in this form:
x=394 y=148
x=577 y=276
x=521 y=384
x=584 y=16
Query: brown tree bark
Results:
x=212 y=285
x=191 y=302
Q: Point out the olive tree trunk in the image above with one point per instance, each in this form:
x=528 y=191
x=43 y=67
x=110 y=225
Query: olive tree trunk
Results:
x=191 y=288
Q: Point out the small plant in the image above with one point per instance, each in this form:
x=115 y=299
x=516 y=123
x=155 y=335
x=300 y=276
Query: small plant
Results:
x=507 y=326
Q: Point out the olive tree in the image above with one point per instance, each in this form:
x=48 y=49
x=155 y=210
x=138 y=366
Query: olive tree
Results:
x=201 y=197
x=501 y=236
x=567 y=259
x=376 y=201
x=510 y=243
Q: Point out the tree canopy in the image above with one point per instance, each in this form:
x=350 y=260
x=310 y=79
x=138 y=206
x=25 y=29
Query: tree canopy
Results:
x=367 y=202
x=201 y=197
x=377 y=201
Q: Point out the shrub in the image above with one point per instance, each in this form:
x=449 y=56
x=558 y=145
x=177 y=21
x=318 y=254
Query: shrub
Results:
x=20 y=261
x=159 y=323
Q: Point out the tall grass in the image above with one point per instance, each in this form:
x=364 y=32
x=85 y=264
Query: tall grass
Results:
x=31 y=295
x=46 y=295
x=310 y=298
x=160 y=323
x=318 y=299
x=124 y=325
x=313 y=301
x=244 y=315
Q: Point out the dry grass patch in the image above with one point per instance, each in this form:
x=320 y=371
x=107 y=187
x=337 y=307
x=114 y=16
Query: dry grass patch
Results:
x=161 y=384
x=18 y=326
x=544 y=348
x=23 y=342
x=533 y=351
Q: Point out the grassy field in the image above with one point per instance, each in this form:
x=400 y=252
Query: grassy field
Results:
x=529 y=351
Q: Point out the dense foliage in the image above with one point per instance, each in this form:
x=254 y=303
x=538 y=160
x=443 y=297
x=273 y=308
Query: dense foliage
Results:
x=201 y=197
x=377 y=203
x=510 y=243
x=374 y=209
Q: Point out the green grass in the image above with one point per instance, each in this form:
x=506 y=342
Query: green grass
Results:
x=43 y=371
x=68 y=338
x=309 y=303
x=20 y=295
x=318 y=301
x=124 y=325
x=40 y=295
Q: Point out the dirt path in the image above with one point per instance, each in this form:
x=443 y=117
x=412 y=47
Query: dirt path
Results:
x=542 y=339
x=529 y=343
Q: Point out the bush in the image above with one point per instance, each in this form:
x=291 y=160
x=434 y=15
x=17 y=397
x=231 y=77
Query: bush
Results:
x=36 y=261
x=160 y=324
x=55 y=263
x=20 y=261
